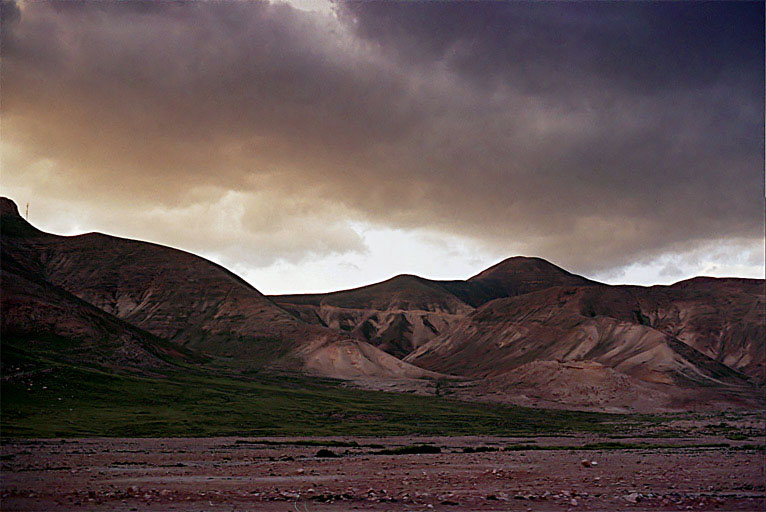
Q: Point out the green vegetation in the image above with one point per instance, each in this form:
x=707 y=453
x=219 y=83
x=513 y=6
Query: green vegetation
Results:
x=43 y=398
x=732 y=431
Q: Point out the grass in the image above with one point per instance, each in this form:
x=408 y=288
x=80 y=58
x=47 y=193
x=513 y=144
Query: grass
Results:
x=53 y=399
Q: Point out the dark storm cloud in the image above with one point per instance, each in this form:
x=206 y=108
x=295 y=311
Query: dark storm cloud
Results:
x=591 y=134
x=554 y=46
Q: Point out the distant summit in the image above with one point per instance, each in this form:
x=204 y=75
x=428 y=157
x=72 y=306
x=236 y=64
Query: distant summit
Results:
x=524 y=268
x=516 y=276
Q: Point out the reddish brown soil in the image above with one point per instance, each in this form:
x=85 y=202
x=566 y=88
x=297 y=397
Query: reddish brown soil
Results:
x=240 y=474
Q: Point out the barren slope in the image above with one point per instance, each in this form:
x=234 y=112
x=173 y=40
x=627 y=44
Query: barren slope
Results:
x=723 y=318
x=593 y=323
x=537 y=331
x=397 y=315
x=591 y=386
x=401 y=314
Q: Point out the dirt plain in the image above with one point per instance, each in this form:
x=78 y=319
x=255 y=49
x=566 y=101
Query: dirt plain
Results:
x=285 y=474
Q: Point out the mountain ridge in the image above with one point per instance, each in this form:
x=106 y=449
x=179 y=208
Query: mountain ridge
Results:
x=509 y=329
x=184 y=299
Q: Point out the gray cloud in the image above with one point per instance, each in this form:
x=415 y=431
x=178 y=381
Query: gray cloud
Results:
x=592 y=135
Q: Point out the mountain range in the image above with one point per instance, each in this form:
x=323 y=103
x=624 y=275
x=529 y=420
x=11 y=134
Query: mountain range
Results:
x=523 y=331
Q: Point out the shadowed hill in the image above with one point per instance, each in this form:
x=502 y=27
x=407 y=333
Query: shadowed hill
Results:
x=403 y=292
x=187 y=300
x=511 y=277
x=43 y=319
x=40 y=317
x=169 y=293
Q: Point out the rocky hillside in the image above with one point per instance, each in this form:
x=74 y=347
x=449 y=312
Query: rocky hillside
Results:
x=511 y=277
x=613 y=348
x=594 y=323
x=527 y=328
x=397 y=315
x=403 y=313
x=724 y=319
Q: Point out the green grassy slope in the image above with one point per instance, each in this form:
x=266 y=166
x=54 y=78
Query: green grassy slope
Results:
x=43 y=398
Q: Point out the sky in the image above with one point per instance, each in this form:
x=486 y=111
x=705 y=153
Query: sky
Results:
x=313 y=146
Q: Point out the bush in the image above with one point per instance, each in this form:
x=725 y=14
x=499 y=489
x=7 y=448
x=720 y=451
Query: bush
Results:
x=415 y=448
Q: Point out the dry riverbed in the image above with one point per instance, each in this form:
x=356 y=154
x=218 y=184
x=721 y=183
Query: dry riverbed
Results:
x=285 y=474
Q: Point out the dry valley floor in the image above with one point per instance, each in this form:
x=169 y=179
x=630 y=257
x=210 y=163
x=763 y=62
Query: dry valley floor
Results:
x=583 y=472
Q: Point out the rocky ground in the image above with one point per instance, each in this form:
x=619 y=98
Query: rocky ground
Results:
x=468 y=473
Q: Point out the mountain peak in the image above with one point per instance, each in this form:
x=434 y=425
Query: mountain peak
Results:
x=11 y=221
x=516 y=276
x=8 y=207
x=520 y=265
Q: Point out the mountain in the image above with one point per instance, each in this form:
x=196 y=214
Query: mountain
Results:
x=526 y=327
x=724 y=319
x=403 y=313
x=403 y=293
x=184 y=299
x=601 y=324
x=523 y=331
x=40 y=317
x=396 y=315
x=591 y=345
x=511 y=277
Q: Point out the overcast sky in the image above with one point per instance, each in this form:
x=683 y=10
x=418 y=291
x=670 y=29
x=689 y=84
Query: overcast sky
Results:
x=311 y=146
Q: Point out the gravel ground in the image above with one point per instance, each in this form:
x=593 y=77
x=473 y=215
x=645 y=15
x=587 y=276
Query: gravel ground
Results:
x=216 y=474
